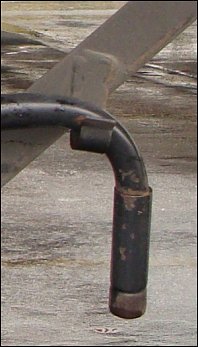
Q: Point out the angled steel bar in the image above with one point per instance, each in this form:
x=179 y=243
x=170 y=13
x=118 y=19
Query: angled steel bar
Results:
x=95 y=130
x=96 y=67
x=124 y=43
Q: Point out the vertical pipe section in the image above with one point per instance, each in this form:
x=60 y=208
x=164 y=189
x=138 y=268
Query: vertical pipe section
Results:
x=131 y=228
x=130 y=253
x=131 y=217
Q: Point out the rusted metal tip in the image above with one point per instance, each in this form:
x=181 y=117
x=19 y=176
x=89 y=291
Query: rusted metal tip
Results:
x=127 y=305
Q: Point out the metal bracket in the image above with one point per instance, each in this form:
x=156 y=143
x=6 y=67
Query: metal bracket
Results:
x=93 y=137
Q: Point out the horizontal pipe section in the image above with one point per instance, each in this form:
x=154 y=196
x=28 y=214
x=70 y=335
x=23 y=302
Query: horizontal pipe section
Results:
x=31 y=111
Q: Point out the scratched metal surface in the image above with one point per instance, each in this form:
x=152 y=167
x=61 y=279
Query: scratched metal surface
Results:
x=57 y=213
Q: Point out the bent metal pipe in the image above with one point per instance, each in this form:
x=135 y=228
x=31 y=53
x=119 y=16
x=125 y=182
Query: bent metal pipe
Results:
x=97 y=131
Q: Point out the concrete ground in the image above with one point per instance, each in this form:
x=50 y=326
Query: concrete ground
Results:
x=57 y=217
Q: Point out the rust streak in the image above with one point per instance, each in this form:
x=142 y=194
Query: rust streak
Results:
x=132 y=193
x=129 y=202
x=80 y=119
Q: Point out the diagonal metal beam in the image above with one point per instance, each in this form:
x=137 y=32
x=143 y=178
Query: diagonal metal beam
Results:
x=124 y=43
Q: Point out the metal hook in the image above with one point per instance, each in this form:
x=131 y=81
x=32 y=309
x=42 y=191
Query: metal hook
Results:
x=96 y=130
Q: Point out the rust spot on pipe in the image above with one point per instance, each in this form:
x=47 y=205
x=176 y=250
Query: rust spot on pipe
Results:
x=124 y=191
x=131 y=174
x=132 y=236
x=80 y=119
x=124 y=227
x=127 y=305
x=129 y=202
x=122 y=253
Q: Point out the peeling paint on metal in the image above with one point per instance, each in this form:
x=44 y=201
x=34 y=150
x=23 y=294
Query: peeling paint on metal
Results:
x=122 y=253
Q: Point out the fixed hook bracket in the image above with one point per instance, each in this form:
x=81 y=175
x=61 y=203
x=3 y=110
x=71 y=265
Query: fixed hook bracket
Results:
x=95 y=130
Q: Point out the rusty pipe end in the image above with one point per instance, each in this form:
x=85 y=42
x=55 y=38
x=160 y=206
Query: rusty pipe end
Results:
x=127 y=305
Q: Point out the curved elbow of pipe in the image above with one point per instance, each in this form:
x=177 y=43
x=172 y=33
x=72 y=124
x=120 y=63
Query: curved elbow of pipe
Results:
x=127 y=163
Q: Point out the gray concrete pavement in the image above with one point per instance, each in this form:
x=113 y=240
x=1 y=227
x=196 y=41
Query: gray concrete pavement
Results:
x=57 y=214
